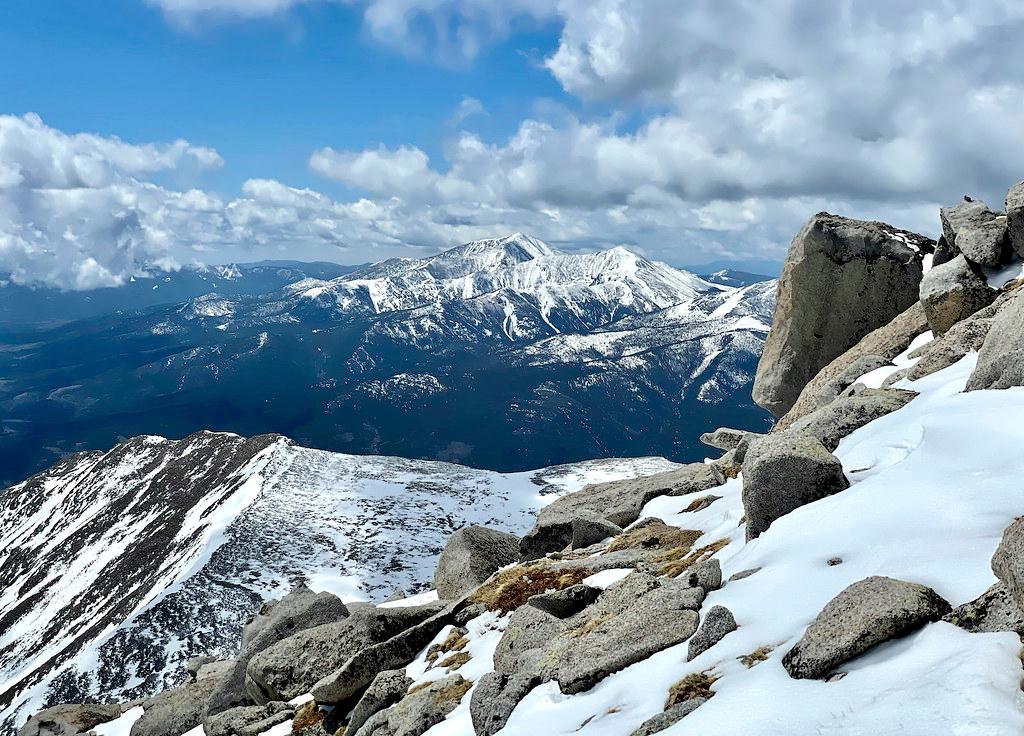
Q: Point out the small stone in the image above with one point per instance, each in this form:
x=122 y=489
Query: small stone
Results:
x=718 y=622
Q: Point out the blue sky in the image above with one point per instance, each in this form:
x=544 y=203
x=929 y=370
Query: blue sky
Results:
x=147 y=134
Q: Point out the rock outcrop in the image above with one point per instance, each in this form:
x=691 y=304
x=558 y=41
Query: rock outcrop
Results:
x=1008 y=560
x=1015 y=217
x=842 y=279
x=1001 y=359
x=952 y=292
x=471 y=555
x=69 y=719
x=180 y=710
x=866 y=613
x=976 y=232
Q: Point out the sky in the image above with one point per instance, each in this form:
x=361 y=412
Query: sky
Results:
x=150 y=134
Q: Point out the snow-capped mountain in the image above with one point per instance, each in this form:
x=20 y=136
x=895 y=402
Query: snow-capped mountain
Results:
x=116 y=567
x=504 y=339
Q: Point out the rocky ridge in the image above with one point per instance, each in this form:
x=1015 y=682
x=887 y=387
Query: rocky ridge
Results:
x=857 y=569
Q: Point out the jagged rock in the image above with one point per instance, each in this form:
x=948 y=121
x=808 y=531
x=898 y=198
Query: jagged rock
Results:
x=69 y=719
x=195 y=664
x=472 y=555
x=994 y=610
x=724 y=438
x=617 y=502
x=842 y=279
x=527 y=637
x=1008 y=560
x=944 y=252
x=248 y=720
x=706 y=574
x=952 y=292
x=1001 y=358
x=567 y=602
x=866 y=613
x=842 y=417
x=885 y=343
x=783 y=472
x=180 y=710
x=419 y=710
x=976 y=232
x=639 y=617
x=718 y=622
x=358 y=671
x=1015 y=217
x=299 y=610
x=495 y=697
x=294 y=665
x=387 y=688
x=591 y=530
x=672 y=716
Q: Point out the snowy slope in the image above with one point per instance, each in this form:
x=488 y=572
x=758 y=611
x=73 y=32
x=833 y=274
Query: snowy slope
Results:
x=116 y=567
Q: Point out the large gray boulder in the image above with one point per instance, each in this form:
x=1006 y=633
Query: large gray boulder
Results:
x=495 y=697
x=833 y=422
x=976 y=232
x=472 y=555
x=842 y=279
x=875 y=350
x=387 y=688
x=248 y=720
x=952 y=292
x=1008 y=560
x=866 y=613
x=617 y=502
x=180 y=710
x=69 y=719
x=294 y=665
x=419 y=711
x=301 y=609
x=783 y=472
x=1001 y=359
x=1015 y=217
x=717 y=623
x=526 y=639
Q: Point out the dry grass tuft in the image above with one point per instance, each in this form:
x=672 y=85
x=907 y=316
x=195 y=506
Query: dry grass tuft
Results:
x=675 y=563
x=591 y=625
x=654 y=536
x=453 y=693
x=455 y=660
x=511 y=588
x=308 y=716
x=756 y=657
x=455 y=642
x=696 y=685
x=699 y=504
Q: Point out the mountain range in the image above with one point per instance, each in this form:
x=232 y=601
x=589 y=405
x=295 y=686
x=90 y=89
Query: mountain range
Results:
x=481 y=355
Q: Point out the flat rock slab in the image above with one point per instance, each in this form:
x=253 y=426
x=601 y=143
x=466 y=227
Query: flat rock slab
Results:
x=831 y=423
x=866 y=613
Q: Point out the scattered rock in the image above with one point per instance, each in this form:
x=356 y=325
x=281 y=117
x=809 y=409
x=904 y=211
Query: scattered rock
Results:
x=180 y=710
x=1001 y=359
x=994 y=610
x=885 y=343
x=592 y=529
x=743 y=574
x=783 y=472
x=618 y=502
x=670 y=717
x=944 y=252
x=387 y=688
x=419 y=711
x=248 y=720
x=69 y=719
x=1008 y=560
x=472 y=555
x=964 y=337
x=952 y=292
x=495 y=697
x=717 y=623
x=567 y=602
x=1015 y=217
x=866 y=613
x=842 y=279
x=842 y=417
x=724 y=438
x=299 y=610
x=706 y=574
x=976 y=232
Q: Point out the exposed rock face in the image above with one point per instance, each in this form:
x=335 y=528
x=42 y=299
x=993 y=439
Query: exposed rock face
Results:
x=1015 y=217
x=672 y=716
x=866 y=613
x=67 y=720
x=833 y=422
x=299 y=610
x=783 y=472
x=294 y=665
x=180 y=710
x=718 y=622
x=842 y=279
x=250 y=720
x=495 y=697
x=993 y=611
x=617 y=502
x=1001 y=359
x=419 y=711
x=952 y=292
x=471 y=555
x=1008 y=560
x=387 y=688
x=963 y=337
x=876 y=349
x=975 y=231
